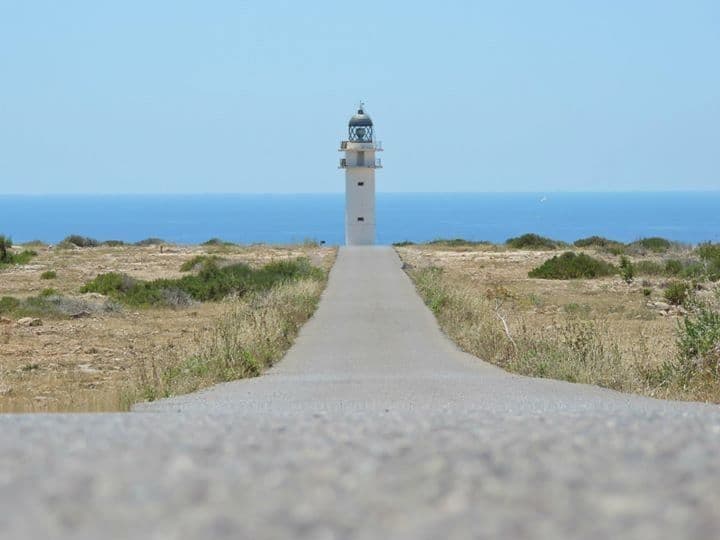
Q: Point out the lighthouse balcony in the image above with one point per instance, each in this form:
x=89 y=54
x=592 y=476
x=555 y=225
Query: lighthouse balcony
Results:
x=376 y=164
x=352 y=145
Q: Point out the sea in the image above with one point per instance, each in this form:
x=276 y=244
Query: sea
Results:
x=689 y=217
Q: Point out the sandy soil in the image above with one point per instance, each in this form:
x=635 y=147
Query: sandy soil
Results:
x=84 y=363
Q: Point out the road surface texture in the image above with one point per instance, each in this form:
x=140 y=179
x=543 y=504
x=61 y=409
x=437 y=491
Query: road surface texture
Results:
x=373 y=426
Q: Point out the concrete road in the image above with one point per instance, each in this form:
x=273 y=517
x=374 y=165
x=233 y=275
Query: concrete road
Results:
x=373 y=426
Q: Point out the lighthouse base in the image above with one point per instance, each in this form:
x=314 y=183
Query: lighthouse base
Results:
x=362 y=234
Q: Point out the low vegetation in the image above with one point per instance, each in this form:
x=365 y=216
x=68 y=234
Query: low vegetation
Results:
x=63 y=350
x=50 y=304
x=532 y=241
x=254 y=334
x=659 y=338
x=571 y=265
x=210 y=283
x=216 y=242
x=654 y=243
x=457 y=242
x=152 y=241
x=8 y=257
x=576 y=351
x=76 y=240
x=677 y=293
x=199 y=261
x=48 y=274
x=601 y=243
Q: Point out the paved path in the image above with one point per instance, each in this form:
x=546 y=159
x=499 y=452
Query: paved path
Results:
x=373 y=426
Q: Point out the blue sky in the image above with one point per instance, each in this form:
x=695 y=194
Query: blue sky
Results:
x=231 y=96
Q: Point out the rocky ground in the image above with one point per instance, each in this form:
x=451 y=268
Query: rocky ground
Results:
x=83 y=360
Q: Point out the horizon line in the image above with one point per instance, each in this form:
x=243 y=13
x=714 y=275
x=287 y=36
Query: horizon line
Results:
x=270 y=193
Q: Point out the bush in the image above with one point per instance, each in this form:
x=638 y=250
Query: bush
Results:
x=649 y=268
x=211 y=283
x=112 y=283
x=710 y=255
x=5 y=247
x=677 y=292
x=8 y=304
x=34 y=244
x=198 y=261
x=216 y=242
x=599 y=242
x=7 y=257
x=403 y=243
x=627 y=269
x=48 y=274
x=51 y=304
x=80 y=241
x=571 y=265
x=532 y=241
x=698 y=342
x=114 y=243
x=458 y=242
x=654 y=243
x=152 y=241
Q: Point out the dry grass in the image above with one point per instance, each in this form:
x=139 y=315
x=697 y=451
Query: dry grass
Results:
x=96 y=362
x=600 y=331
x=252 y=334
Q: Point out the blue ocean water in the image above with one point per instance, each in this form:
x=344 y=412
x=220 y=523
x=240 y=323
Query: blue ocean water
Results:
x=688 y=217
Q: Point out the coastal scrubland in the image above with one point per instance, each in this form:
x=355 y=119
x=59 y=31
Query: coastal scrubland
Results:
x=640 y=317
x=96 y=326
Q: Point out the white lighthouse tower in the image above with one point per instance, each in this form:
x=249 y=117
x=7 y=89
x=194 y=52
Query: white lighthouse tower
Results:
x=360 y=164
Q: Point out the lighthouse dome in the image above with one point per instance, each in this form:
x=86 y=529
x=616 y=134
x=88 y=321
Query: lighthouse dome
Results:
x=360 y=119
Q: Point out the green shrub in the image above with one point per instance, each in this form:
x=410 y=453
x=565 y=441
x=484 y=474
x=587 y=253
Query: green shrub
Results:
x=698 y=342
x=111 y=284
x=403 y=243
x=218 y=242
x=5 y=247
x=627 y=269
x=114 y=243
x=8 y=304
x=599 y=242
x=677 y=292
x=48 y=274
x=48 y=292
x=649 y=268
x=152 y=241
x=211 y=282
x=80 y=241
x=674 y=267
x=571 y=265
x=710 y=255
x=457 y=242
x=7 y=257
x=197 y=261
x=646 y=291
x=654 y=243
x=532 y=241
x=34 y=244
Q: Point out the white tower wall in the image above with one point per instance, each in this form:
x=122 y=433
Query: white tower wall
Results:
x=359 y=206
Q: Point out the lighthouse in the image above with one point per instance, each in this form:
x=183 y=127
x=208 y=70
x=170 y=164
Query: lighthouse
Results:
x=360 y=164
